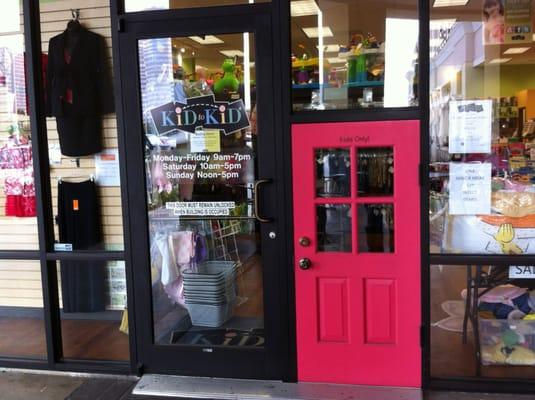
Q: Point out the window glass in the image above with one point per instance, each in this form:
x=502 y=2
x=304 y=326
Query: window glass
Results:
x=18 y=222
x=82 y=125
x=482 y=127
x=94 y=320
x=148 y=5
x=200 y=113
x=491 y=336
x=22 y=328
x=350 y=54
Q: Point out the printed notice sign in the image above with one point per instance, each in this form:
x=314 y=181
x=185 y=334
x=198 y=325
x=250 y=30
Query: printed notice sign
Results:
x=470 y=126
x=205 y=141
x=107 y=168
x=201 y=208
x=522 y=271
x=470 y=189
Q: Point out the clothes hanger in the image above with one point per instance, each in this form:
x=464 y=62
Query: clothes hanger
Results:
x=68 y=178
x=74 y=23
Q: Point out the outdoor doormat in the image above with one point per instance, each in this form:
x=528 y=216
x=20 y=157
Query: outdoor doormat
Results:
x=219 y=337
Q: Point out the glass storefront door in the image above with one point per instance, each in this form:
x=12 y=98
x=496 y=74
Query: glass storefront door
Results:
x=207 y=247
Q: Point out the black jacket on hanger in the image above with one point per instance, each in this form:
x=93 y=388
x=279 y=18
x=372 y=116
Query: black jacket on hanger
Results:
x=87 y=75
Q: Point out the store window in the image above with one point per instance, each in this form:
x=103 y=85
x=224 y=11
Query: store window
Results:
x=22 y=327
x=349 y=54
x=148 y=5
x=94 y=326
x=201 y=141
x=81 y=126
x=18 y=222
x=491 y=335
x=84 y=177
x=482 y=176
x=482 y=128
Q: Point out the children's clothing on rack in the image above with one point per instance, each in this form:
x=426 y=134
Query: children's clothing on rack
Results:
x=16 y=159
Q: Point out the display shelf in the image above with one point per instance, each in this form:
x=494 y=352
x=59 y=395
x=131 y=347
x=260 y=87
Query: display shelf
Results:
x=365 y=84
x=309 y=86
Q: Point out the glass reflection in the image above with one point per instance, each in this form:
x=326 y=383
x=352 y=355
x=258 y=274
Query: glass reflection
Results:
x=332 y=173
x=349 y=54
x=376 y=171
x=376 y=228
x=199 y=110
x=334 y=228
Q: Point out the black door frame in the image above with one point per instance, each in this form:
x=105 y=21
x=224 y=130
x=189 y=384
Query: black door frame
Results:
x=270 y=362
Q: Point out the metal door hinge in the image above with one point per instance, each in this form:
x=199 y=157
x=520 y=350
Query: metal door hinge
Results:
x=423 y=334
x=421 y=174
x=120 y=25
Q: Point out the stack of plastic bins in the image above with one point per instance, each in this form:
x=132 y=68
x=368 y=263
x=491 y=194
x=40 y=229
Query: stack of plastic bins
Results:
x=210 y=292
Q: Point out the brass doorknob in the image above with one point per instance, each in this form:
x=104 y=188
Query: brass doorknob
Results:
x=304 y=241
x=305 y=263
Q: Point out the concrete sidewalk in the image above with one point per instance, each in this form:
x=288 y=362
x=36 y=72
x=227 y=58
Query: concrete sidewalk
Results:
x=16 y=385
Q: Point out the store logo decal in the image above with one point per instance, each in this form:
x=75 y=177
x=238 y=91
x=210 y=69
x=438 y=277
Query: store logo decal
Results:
x=200 y=112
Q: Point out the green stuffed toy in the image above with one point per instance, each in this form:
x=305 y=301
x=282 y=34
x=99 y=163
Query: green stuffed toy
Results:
x=229 y=82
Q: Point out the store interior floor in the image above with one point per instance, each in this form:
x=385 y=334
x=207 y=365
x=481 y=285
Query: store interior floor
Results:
x=449 y=356
x=96 y=336
x=88 y=339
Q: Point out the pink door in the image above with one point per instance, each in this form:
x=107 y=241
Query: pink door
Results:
x=357 y=252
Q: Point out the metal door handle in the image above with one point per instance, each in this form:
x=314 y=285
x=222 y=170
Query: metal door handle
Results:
x=305 y=263
x=255 y=189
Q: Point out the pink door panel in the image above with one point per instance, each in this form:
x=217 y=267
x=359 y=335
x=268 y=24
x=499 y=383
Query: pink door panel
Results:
x=356 y=201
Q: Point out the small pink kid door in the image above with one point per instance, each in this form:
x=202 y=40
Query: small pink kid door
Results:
x=357 y=252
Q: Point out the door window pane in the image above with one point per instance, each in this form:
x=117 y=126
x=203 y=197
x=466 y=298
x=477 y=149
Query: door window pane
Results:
x=333 y=168
x=150 y=5
x=199 y=111
x=349 y=54
x=481 y=128
x=333 y=222
x=18 y=222
x=375 y=171
x=376 y=228
x=22 y=328
x=94 y=321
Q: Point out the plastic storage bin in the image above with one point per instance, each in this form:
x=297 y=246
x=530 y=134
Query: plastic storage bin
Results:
x=210 y=292
x=507 y=343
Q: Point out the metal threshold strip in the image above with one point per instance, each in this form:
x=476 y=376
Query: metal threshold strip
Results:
x=236 y=389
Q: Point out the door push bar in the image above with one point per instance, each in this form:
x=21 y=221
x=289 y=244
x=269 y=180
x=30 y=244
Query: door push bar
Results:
x=256 y=190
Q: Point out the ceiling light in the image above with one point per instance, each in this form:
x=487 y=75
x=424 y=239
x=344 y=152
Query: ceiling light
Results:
x=330 y=48
x=313 y=32
x=516 y=50
x=450 y=3
x=208 y=39
x=182 y=50
x=336 y=60
x=499 y=60
x=232 y=53
x=300 y=8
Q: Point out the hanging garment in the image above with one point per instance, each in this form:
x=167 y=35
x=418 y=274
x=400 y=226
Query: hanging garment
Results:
x=78 y=91
x=16 y=158
x=169 y=270
x=83 y=283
